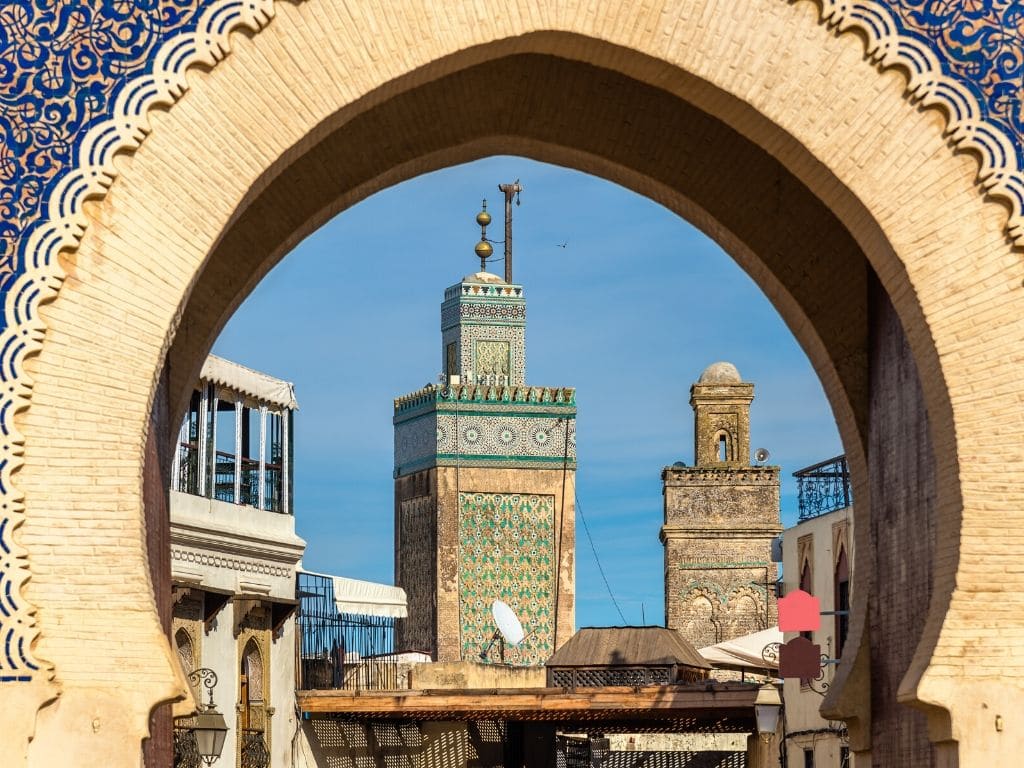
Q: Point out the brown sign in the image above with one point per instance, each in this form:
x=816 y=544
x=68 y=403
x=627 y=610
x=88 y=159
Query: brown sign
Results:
x=799 y=658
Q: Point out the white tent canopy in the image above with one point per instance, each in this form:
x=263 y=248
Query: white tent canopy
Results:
x=246 y=381
x=745 y=652
x=367 y=598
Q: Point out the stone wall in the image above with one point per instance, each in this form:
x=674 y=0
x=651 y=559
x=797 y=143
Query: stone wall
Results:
x=416 y=560
x=719 y=577
x=155 y=489
x=902 y=534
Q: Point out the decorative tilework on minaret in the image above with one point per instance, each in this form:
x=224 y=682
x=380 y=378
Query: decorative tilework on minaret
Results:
x=720 y=518
x=485 y=487
x=483 y=331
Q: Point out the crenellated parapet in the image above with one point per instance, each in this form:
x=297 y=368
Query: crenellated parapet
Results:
x=486 y=394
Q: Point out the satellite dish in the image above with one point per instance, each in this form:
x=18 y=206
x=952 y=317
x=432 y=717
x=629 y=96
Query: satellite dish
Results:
x=761 y=455
x=679 y=465
x=507 y=622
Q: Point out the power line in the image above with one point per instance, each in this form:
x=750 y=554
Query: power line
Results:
x=597 y=559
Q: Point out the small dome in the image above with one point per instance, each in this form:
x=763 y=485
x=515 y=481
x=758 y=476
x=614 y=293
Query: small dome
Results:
x=482 y=277
x=720 y=373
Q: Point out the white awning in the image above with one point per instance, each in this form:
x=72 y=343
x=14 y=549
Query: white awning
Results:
x=368 y=598
x=246 y=381
x=746 y=651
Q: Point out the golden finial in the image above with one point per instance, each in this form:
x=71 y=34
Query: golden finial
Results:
x=483 y=249
x=483 y=218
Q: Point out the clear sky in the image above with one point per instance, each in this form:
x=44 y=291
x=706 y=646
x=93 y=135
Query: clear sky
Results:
x=630 y=312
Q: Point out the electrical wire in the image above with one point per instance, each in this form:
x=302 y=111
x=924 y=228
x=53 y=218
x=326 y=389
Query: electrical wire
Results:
x=597 y=559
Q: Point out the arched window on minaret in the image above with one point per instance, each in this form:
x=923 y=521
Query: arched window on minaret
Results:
x=723 y=447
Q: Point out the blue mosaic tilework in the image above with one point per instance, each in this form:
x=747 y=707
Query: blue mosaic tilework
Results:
x=62 y=65
x=981 y=44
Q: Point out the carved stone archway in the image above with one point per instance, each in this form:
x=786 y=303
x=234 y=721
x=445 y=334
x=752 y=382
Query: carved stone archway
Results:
x=775 y=136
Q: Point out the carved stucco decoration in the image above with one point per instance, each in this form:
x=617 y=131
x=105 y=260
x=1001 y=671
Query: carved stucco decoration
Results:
x=78 y=78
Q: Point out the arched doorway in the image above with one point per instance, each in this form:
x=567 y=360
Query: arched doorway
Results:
x=725 y=119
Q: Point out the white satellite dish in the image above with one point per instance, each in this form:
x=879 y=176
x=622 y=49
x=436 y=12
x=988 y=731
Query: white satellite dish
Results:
x=507 y=622
x=761 y=455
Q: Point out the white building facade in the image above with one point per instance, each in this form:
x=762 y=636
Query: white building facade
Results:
x=234 y=557
x=817 y=558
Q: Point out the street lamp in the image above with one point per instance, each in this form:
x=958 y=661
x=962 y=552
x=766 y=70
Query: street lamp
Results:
x=210 y=729
x=767 y=707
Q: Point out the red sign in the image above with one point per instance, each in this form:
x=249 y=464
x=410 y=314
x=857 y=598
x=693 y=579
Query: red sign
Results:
x=799 y=658
x=799 y=612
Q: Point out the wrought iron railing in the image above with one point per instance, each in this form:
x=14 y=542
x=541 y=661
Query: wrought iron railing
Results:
x=341 y=650
x=254 y=752
x=823 y=488
x=186 y=748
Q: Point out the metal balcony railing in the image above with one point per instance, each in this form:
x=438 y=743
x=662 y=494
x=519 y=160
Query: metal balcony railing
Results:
x=823 y=487
x=254 y=753
x=223 y=485
x=186 y=748
x=341 y=650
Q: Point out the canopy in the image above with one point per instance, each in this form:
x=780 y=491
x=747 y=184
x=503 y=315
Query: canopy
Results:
x=368 y=598
x=745 y=652
x=246 y=381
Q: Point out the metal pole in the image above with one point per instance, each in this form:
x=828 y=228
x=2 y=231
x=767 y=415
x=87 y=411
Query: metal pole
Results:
x=238 y=452
x=510 y=191
x=262 y=495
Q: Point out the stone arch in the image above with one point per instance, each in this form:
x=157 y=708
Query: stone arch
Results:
x=186 y=650
x=746 y=81
x=702 y=614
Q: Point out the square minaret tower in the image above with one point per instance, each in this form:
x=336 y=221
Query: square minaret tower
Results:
x=485 y=478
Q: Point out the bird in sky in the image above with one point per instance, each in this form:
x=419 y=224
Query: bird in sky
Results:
x=562 y=245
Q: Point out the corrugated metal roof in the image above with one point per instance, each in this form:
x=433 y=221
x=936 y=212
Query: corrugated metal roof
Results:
x=627 y=647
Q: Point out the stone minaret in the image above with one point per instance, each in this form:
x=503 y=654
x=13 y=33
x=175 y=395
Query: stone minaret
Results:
x=485 y=470
x=720 y=518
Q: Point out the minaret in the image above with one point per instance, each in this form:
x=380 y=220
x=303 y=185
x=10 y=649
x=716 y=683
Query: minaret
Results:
x=485 y=471
x=720 y=518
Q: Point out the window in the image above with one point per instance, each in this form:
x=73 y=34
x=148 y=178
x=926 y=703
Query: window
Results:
x=723 y=448
x=844 y=757
x=806 y=584
x=451 y=366
x=842 y=600
x=808 y=757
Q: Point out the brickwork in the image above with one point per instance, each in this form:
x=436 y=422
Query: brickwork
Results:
x=416 y=559
x=771 y=131
x=902 y=529
x=720 y=518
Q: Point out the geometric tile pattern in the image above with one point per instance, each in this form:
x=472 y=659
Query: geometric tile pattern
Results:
x=494 y=426
x=487 y=324
x=506 y=552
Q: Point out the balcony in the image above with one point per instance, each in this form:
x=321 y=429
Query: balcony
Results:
x=823 y=488
x=226 y=468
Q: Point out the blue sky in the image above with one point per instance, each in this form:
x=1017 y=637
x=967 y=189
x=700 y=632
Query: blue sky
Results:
x=629 y=313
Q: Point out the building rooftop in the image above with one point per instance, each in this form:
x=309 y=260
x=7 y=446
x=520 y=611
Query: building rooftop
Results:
x=627 y=647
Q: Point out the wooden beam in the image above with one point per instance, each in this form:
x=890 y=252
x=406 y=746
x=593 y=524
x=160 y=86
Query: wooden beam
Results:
x=665 y=701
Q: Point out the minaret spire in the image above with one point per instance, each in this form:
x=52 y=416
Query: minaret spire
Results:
x=510 y=191
x=484 y=250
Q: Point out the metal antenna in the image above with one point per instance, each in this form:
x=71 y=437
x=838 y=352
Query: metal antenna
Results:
x=510 y=191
